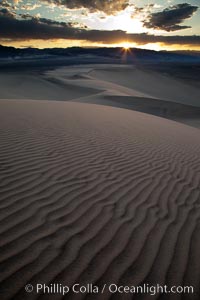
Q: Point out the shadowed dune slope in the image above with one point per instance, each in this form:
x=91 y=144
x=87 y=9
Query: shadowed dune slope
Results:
x=95 y=194
x=186 y=114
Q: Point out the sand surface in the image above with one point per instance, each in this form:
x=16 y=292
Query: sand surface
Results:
x=95 y=194
x=123 y=86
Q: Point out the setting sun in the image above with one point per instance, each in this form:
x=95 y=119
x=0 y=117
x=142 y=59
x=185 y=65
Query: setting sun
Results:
x=126 y=46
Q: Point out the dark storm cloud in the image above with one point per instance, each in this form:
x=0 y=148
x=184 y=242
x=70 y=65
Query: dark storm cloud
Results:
x=170 y=18
x=32 y=28
x=107 y=6
x=27 y=28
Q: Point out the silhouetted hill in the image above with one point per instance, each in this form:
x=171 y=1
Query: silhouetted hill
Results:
x=116 y=53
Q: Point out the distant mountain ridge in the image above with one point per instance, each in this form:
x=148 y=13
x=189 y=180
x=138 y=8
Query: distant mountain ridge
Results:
x=113 y=53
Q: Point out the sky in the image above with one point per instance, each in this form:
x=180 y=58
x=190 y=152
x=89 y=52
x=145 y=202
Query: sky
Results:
x=148 y=24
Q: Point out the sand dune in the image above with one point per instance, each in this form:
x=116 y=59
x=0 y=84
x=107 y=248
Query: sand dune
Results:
x=130 y=81
x=131 y=88
x=123 y=86
x=153 y=84
x=35 y=86
x=95 y=194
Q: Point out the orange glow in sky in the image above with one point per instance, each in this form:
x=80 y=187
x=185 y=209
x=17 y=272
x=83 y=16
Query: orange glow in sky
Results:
x=49 y=24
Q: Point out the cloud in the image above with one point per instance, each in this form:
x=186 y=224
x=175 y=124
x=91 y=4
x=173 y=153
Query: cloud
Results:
x=30 y=28
x=7 y=13
x=108 y=6
x=6 y=4
x=30 y=6
x=16 y=1
x=170 y=18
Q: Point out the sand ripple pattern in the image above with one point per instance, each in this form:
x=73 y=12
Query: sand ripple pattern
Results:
x=95 y=194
